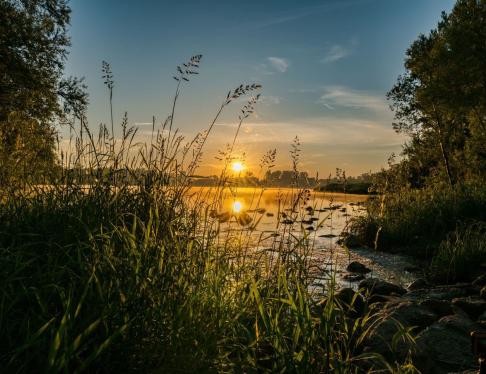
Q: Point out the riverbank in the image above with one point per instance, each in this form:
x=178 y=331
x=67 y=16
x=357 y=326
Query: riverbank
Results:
x=434 y=322
x=445 y=227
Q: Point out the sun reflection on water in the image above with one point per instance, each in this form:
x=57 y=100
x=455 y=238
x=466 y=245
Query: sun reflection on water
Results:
x=237 y=207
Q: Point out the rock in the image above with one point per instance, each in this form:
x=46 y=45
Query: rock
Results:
x=353 y=277
x=350 y=241
x=480 y=281
x=379 y=287
x=357 y=267
x=374 y=299
x=407 y=313
x=445 y=346
x=351 y=301
x=442 y=292
x=474 y=307
x=482 y=293
x=412 y=269
x=417 y=284
x=440 y=307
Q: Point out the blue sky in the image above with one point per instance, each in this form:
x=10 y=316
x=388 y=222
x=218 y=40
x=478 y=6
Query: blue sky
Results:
x=325 y=67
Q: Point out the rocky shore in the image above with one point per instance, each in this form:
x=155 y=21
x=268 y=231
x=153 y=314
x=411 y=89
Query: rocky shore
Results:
x=429 y=324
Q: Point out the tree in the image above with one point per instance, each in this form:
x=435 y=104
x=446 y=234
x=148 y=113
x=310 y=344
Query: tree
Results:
x=440 y=101
x=33 y=93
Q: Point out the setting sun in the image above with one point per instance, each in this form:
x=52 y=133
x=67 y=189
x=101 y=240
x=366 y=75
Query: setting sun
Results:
x=237 y=166
x=237 y=206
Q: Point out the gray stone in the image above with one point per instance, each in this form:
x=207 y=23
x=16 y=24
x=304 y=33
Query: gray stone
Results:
x=357 y=267
x=350 y=241
x=351 y=301
x=473 y=306
x=445 y=346
x=417 y=284
x=379 y=287
x=440 y=307
x=407 y=313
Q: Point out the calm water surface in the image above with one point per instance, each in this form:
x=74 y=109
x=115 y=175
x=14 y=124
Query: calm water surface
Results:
x=266 y=216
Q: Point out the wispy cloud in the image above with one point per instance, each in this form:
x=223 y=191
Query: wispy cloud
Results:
x=340 y=96
x=328 y=6
x=337 y=52
x=270 y=100
x=278 y=63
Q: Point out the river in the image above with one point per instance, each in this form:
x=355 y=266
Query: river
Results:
x=267 y=216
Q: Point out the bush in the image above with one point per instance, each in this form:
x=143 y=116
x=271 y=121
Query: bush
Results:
x=461 y=253
x=417 y=221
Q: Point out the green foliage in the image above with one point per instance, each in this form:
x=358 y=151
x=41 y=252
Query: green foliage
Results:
x=460 y=254
x=33 y=93
x=418 y=220
x=114 y=270
x=441 y=99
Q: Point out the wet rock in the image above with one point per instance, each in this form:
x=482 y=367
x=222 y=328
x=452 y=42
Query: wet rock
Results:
x=417 y=284
x=379 y=287
x=357 y=267
x=441 y=292
x=474 y=307
x=406 y=313
x=350 y=241
x=445 y=346
x=440 y=307
x=382 y=299
x=412 y=269
x=351 y=301
x=350 y=277
x=480 y=281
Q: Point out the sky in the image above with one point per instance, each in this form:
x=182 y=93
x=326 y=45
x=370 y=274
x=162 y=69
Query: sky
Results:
x=325 y=67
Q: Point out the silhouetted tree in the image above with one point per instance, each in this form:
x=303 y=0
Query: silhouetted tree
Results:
x=33 y=94
x=441 y=99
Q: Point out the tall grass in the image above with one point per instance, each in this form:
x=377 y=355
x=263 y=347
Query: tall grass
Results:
x=117 y=267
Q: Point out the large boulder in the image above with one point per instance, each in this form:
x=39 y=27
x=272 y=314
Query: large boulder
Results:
x=417 y=284
x=351 y=301
x=379 y=287
x=473 y=306
x=406 y=313
x=445 y=346
x=440 y=307
x=447 y=292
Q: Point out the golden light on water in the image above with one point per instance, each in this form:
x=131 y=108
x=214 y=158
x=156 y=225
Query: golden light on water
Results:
x=237 y=207
x=237 y=166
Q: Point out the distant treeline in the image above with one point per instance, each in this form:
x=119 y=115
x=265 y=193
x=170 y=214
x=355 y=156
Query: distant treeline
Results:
x=278 y=178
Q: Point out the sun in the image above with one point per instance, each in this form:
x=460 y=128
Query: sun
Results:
x=237 y=207
x=237 y=166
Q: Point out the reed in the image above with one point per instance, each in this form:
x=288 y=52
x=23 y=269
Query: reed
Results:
x=116 y=265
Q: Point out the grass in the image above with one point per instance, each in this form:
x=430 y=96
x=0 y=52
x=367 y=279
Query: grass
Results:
x=429 y=223
x=127 y=273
